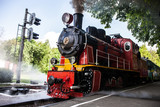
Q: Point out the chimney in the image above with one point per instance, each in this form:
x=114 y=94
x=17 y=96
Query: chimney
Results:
x=78 y=18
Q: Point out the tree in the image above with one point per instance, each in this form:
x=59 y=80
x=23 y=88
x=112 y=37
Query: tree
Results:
x=141 y=15
x=8 y=50
x=144 y=52
x=37 y=54
x=158 y=51
x=150 y=54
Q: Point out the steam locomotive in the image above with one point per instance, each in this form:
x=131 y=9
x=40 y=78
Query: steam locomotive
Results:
x=91 y=61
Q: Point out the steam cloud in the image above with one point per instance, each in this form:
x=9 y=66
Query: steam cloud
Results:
x=78 y=5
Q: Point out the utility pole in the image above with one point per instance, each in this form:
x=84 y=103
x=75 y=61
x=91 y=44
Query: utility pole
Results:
x=21 y=47
x=31 y=35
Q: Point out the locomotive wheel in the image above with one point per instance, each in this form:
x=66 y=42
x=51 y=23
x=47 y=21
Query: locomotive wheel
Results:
x=108 y=82
x=64 y=88
x=120 y=82
x=86 y=86
x=113 y=82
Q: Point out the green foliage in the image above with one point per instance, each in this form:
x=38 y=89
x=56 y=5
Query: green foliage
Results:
x=39 y=54
x=158 y=51
x=144 y=52
x=7 y=50
x=103 y=10
x=151 y=55
x=141 y=16
x=35 y=53
x=56 y=53
x=5 y=75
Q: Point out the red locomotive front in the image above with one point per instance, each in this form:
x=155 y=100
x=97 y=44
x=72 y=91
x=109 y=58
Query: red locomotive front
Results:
x=61 y=84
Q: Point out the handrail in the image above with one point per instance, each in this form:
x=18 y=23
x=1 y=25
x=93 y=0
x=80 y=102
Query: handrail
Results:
x=118 y=61
x=112 y=60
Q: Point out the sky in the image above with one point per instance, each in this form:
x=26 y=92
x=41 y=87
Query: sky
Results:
x=50 y=12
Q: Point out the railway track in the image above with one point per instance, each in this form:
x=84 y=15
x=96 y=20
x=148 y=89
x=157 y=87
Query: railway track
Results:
x=20 y=95
x=35 y=103
x=40 y=98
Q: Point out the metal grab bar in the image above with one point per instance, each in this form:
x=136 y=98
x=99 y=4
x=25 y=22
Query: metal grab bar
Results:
x=110 y=58
x=118 y=61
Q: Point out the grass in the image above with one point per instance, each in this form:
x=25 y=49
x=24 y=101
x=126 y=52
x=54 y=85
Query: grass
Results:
x=22 y=81
x=24 y=78
x=4 y=85
x=14 y=81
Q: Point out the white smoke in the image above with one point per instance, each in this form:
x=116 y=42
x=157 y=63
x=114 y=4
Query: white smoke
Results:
x=140 y=94
x=135 y=94
x=32 y=73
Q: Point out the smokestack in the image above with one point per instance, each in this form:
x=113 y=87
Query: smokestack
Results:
x=78 y=18
x=78 y=5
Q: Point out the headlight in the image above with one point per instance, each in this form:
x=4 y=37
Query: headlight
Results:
x=127 y=46
x=53 y=61
x=67 y=18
